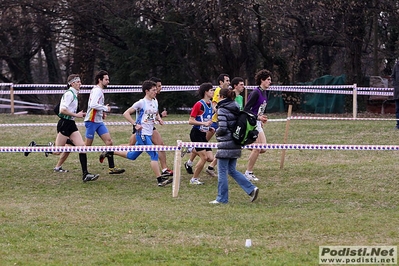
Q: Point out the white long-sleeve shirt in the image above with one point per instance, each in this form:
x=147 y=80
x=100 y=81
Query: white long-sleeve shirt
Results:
x=96 y=105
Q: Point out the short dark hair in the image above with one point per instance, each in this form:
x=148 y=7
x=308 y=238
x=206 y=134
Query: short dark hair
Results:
x=204 y=87
x=99 y=76
x=221 y=77
x=235 y=81
x=155 y=79
x=147 y=85
x=262 y=75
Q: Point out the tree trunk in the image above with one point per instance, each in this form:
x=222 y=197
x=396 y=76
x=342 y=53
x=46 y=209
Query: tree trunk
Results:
x=53 y=67
x=84 y=58
x=355 y=32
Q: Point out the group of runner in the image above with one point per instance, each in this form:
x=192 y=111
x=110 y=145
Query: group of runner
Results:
x=203 y=118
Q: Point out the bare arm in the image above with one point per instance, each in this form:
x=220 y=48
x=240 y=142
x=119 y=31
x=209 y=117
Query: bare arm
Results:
x=65 y=111
x=194 y=122
x=159 y=119
x=128 y=115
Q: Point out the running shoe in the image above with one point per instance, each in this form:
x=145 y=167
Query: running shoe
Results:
x=186 y=150
x=211 y=172
x=103 y=155
x=90 y=177
x=251 y=177
x=163 y=181
x=115 y=171
x=50 y=144
x=189 y=168
x=60 y=170
x=196 y=181
x=254 y=194
x=167 y=172
x=31 y=144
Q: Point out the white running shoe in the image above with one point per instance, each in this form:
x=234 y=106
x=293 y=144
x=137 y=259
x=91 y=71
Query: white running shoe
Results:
x=60 y=170
x=251 y=177
x=211 y=172
x=195 y=181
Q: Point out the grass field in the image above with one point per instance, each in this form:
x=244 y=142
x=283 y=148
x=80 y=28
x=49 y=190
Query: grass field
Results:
x=320 y=198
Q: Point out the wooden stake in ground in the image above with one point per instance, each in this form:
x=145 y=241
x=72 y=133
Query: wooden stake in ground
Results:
x=287 y=126
x=176 y=171
x=12 y=99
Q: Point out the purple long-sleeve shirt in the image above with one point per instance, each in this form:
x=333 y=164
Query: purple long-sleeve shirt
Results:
x=257 y=101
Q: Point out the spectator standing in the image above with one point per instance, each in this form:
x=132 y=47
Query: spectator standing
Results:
x=228 y=152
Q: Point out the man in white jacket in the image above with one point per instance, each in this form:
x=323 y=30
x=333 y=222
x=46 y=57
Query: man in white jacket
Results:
x=96 y=112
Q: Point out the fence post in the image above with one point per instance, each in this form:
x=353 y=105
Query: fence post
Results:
x=12 y=99
x=354 y=100
x=287 y=126
x=176 y=171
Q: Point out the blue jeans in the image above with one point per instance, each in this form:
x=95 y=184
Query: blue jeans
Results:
x=228 y=166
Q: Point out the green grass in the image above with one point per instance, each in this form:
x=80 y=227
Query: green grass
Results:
x=319 y=198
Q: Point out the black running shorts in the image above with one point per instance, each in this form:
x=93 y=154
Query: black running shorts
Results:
x=197 y=135
x=66 y=127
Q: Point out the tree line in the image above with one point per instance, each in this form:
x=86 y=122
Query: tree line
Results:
x=190 y=42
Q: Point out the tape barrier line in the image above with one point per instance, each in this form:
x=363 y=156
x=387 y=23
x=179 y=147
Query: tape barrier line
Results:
x=188 y=87
x=299 y=146
x=33 y=125
x=82 y=124
x=325 y=147
x=186 y=122
x=110 y=123
x=328 y=89
x=340 y=118
x=200 y=145
x=89 y=148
